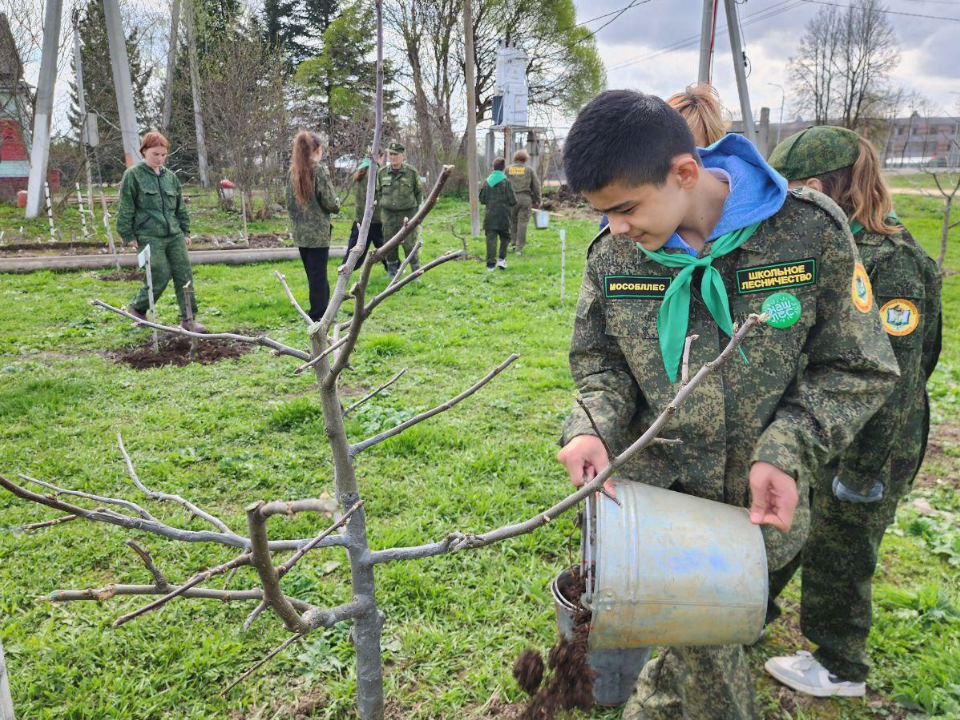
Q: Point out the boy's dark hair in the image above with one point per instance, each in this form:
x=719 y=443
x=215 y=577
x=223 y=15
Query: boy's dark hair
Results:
x=624 y=136
x=499 y=163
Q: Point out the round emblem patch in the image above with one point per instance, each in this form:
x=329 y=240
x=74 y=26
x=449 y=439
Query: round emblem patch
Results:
x=860 y=289
x=783 y=308
x=900 y=317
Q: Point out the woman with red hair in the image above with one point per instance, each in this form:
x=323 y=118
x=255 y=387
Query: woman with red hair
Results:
x=152 y=213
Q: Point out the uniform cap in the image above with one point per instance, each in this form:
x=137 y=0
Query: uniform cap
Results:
x=815 y=151
x=395 y=147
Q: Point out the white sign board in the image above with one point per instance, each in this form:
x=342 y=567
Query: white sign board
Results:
x=143 y=257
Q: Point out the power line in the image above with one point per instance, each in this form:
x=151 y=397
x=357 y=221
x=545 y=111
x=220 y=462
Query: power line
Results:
x=888 y=12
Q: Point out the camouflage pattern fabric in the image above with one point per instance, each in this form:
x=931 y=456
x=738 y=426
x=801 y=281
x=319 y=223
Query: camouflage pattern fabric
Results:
x=151 y=205
x=492 y=253
x=392 y=224
x=168 y=260
x=310 y=223
x=815 y=151
x=499 y=200
x=399 y=190
x=526 y=186
x=840 y=557
x=807 y=390
x=360 y=201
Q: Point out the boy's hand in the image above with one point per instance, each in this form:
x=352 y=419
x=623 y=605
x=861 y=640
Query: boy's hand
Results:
x=774 y=496
x=584 y=457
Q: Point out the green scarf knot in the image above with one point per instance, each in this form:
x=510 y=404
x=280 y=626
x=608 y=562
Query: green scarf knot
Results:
x=496 y=177
x=856 y=226
x=674 y=316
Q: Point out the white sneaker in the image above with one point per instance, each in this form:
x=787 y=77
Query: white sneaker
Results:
x=502 y=264
x=805 y=674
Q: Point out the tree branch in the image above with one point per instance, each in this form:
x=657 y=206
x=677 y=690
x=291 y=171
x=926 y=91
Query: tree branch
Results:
x=96 y=498
x=167 y=497
x=329 y=349
x=396 y=430
x=293 y=300
x=48 y=523
x=109 y=591
x=458 y=541
x=376 y=392
x=406 y=261
x=262 y=340
x=147 y=559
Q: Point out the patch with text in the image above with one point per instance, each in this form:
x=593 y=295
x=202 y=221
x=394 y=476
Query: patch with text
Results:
x=791 y=274
x=634 y=287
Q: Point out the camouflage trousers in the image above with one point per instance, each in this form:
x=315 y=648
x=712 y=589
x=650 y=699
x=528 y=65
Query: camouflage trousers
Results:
x=392 y=224
x=694 y=683
x=168 y=260
x=519 y=219
x=839 y=560
x=492 y=254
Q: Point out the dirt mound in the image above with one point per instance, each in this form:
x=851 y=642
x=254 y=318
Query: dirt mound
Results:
x=126 y=275
x=570 y=686
x=176 y=351
x=562 y=197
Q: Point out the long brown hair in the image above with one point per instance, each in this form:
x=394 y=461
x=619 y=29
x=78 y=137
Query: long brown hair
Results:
x=861 y=191
x=700 y=106
x=305 y=144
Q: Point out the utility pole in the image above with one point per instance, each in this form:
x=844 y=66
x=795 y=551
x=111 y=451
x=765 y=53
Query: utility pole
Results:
x=736 y=47
x=191 y=23
x=121 y=82
x=471 y=119
x=43 y=113
x=171 y=67
x=82 y=106
x=707 y=29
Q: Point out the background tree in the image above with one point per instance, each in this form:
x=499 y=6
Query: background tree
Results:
x=842 y=69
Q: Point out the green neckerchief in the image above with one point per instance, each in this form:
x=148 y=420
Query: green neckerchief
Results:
x=496 y=177
x=674 y=316
x=856 y=226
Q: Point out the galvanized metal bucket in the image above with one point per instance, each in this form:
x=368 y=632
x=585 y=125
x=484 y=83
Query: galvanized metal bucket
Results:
x=616 y=670
x=541 y=219
x=664 y=568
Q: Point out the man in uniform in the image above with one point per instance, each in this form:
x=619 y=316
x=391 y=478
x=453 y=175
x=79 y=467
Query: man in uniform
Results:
x=856 y=497
x=526 y=186
x=695 y=244
x=398 y=195
x=497 y=196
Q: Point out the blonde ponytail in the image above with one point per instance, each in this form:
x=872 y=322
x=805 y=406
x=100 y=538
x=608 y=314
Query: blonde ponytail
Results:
x=700 y=107
x=861 y=191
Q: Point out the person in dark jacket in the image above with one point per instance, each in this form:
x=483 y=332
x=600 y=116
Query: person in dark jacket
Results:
x=310 y=202
x=498 y=196
x=152 y=212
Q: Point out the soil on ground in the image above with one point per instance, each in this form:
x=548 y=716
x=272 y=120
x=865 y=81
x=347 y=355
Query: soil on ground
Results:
x=569 y=686
x=937 y=465
x=126 y=275
x=176 y=351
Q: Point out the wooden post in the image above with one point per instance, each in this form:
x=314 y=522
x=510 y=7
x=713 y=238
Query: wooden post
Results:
x=6 y=702
x=143 y=260
x=472 y=184
x=83 y=213
x=563 y=262
x=243 y=214
x=187 y=297
x=53 y=230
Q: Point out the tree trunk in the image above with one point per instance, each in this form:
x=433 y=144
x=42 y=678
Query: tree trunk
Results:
x=944 y=231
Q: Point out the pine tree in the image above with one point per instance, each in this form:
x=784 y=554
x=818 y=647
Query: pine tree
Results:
x=99 y=89
x=284 y=29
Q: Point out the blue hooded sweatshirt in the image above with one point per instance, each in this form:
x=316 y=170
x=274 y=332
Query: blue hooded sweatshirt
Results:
x=757 y=191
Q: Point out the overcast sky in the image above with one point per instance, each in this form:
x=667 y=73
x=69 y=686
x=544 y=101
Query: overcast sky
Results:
x=631 y=47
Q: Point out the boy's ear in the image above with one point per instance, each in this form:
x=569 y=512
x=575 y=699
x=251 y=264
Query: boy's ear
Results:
x=686 y=170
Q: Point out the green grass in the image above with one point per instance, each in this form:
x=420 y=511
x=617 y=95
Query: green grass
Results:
x=909 y=179
x=247 y=429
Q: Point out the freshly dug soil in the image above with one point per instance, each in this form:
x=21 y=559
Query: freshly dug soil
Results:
x=570 y=686
x=563 y=197
x=176 y=351
x=127 y=275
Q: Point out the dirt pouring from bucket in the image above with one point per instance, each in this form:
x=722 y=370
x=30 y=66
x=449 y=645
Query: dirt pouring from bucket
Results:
x=569 y=684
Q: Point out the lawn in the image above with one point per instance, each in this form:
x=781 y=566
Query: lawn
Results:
x=247 y=429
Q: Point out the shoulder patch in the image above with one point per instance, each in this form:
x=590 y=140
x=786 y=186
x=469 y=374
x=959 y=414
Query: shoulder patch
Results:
x=823 y=202
x=860 y=289
x=793 y=273
x=635 y=287
x=899 y=317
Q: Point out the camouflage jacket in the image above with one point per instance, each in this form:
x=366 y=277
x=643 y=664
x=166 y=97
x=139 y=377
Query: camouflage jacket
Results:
x=805 y=393
x=498 y=201
x=310 y=223
x=525 y=183
x=360 y=201
x=907 y=285
x=151 y=205
x=398 y=190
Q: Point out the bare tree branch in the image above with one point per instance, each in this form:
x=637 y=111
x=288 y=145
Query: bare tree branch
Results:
x=380 y=437
x=276 y=651
x=96 y=498
x=147 y=559
x=330 y=348
x=406 y=261
x=110 y=591
x=167 y=497
x=295 y=558
x=293 y=300
x=376 y=392
x=263 y=340
x=48 y=523
x=459 y=541
x=685 y=367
